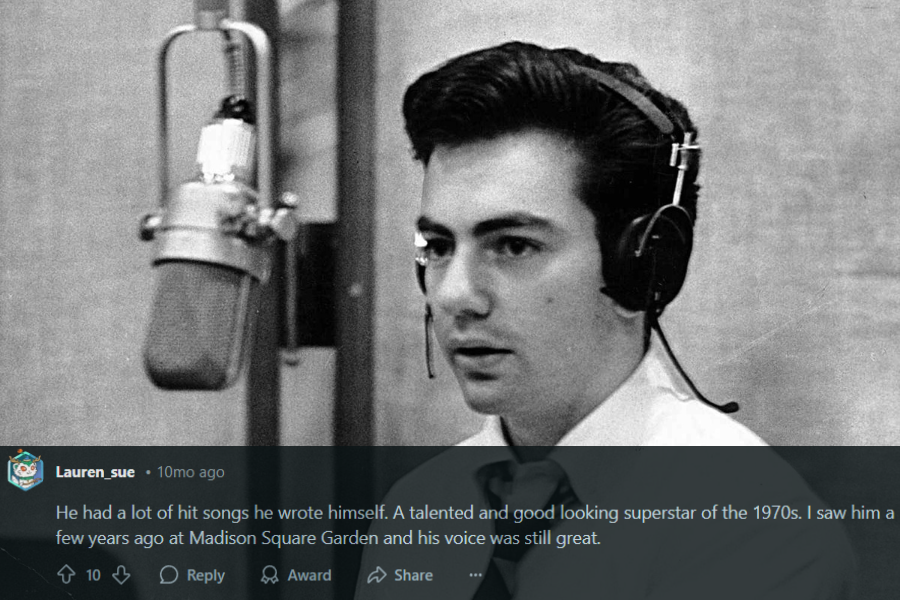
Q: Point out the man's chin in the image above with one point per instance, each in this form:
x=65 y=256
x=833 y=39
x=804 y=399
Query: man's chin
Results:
x=486 y=398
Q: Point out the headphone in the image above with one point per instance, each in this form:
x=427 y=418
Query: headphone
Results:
x=646 y=268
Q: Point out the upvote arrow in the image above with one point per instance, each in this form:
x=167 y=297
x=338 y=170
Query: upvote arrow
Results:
x=67 y=574
x=121 y=575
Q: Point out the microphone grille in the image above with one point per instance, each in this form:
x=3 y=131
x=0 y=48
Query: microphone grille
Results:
x=199 y=321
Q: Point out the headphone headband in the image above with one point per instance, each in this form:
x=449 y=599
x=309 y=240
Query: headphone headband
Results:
x=634 y=97
x=680 y=148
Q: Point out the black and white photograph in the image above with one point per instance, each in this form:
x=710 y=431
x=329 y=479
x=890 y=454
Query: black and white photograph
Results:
x=525 y=226
x=790 y=301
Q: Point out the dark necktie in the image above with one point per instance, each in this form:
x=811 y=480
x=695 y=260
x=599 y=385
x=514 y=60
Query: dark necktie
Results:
x=530 y=485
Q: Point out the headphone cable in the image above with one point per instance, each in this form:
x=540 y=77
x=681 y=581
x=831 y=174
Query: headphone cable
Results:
x=729 y=408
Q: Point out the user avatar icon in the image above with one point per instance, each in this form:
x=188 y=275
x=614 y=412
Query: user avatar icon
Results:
x=272 y=576
x=25 y=471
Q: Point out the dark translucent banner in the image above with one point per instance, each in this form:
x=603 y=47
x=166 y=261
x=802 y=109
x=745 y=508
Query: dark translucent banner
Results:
x=649 y=523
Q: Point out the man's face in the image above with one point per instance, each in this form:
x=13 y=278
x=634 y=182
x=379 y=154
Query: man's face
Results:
x=514 y=276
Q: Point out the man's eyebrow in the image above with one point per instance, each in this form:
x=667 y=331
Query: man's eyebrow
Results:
x=511 y=221
x=506 y=221
x=425 y=224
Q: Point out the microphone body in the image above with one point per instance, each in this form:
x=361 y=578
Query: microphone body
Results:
x=209 y=267
x=208 y=284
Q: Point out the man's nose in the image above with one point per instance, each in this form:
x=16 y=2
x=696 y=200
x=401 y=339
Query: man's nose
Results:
x=462 y=287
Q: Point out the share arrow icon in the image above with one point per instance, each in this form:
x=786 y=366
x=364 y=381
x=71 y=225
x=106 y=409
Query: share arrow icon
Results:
x=121 y=575
x=377 y=575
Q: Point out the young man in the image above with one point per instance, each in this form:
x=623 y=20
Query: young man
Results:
x=539 y=177
x=557 y=207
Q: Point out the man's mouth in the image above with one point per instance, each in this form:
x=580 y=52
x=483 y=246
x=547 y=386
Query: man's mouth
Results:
x=476 y=351
x=475 y=358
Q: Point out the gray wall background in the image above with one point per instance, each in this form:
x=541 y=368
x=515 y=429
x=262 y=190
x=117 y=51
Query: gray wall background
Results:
x=792 y=305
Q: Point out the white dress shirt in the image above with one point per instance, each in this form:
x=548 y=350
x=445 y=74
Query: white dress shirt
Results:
x=696 y=559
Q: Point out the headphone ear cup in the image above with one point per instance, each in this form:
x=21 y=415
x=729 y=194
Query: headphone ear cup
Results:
x=674 y=241
x=623 y=271
x=649 y=263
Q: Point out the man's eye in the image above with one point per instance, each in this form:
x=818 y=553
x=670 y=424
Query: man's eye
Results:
x=515 y=247
x=437 y=249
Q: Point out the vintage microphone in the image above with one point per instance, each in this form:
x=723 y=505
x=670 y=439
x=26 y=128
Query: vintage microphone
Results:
x=214 y=233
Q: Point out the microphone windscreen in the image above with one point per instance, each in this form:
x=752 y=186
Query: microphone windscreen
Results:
x=201 y=317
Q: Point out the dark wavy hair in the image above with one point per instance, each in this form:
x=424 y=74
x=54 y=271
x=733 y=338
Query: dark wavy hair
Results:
x=517 y=86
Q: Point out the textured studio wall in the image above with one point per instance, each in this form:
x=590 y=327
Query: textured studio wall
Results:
x=792 y=305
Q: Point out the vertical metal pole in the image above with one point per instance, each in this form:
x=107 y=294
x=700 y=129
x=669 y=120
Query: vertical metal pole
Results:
x=354 y=389
x=264 y=376
x=356 y=194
